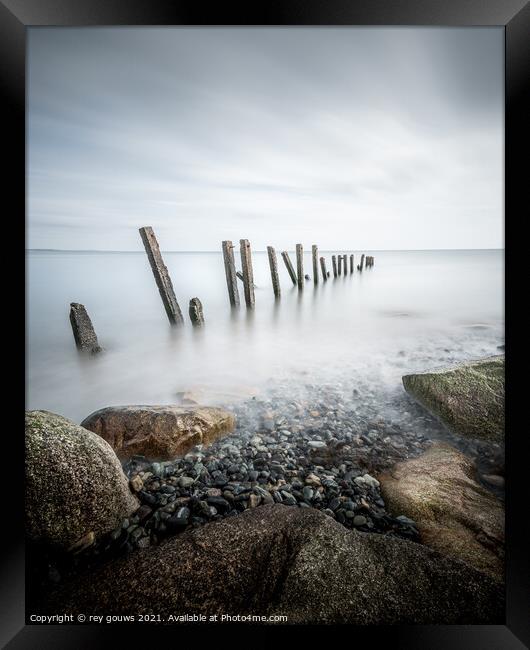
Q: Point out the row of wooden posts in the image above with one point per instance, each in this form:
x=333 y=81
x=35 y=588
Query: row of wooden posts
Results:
x=85 y=336
x=340 y=266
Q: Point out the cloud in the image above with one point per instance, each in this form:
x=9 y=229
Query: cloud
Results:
x=354 y=137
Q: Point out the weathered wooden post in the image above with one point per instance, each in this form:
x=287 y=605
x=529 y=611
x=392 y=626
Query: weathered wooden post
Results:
x=323 y=267
x=289 y=266
x=345 y=264
x=84 y=333
x=162 y=279
x=351 y=264
x=340 y=265
x=362 y=262
x=196 y=313
x=248 y=276
x=300 y=265
x=240 y=276
x=230 y=272
x=314 y=252
x=274 y=271
x=334 y=262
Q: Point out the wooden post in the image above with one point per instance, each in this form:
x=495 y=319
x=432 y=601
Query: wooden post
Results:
x=196 y=313
x=314 y=251
x=162 y=279
x=345 y=264
x=323 y=267
x=84 y=333
x=240 y=276
x=248 y=276
x=362 y=262
x=230 y=272
x=340 y=264
x=289 y=266
x=351 y=264
x=300 y=265
x=274 y=271
x=334 y=262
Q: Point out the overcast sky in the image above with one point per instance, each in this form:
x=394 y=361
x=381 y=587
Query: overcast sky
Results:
x=349 y=138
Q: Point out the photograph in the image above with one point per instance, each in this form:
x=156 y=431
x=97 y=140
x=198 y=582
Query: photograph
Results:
x=262 y=301
x=265 y=325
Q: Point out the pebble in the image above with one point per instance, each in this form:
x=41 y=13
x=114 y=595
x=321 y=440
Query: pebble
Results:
x=136 y=483
x=316 y=444
x=320 y=453
x=493 y=479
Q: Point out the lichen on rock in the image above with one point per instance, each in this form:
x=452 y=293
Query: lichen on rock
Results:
x=468 y=398
x=75 y=484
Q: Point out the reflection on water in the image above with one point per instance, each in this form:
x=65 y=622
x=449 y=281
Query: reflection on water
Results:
x=411 y=311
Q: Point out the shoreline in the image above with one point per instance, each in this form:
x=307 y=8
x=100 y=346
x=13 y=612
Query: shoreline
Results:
x=320 y=453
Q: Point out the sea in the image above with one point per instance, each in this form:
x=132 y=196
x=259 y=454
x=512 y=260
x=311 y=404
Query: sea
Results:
x=358 y=333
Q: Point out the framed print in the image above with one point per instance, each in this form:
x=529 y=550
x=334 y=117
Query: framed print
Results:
x=265 y=295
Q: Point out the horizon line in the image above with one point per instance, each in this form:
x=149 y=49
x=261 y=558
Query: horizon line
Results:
x=323 y=250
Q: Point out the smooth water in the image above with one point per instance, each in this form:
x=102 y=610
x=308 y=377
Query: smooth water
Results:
x=412 y=311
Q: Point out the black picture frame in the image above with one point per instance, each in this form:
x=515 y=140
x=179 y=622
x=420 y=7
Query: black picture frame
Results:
x=15 y=17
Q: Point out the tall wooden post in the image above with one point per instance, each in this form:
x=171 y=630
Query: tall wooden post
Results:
x=345 y=264
x=248 y=276
x=289 y=266
x=362 y=262
x=300 y=265
x=274 y=271
x=323 y=267
x=161 y=274
x=230 y=272
x=340 y=264
x=314 y=251
x=351 y=264
x=334 y=262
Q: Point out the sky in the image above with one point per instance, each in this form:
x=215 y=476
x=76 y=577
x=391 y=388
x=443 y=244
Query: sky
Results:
x=349 y=138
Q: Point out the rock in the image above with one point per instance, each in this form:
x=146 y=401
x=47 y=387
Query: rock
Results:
x=493 y=479
x=316 y=444
x=159 y=432
x=468 y=398
x=367 y=481
x=454 y=514
x=186 y=481
x=136 y=483
x=189 y=398
x=290 y=561
x=75 y=486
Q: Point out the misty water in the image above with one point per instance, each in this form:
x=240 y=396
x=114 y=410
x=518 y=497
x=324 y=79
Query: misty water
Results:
x=353 y=336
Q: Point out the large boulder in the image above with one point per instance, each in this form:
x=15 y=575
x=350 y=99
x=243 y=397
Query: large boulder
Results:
x=75 y=485
x=468 y=398
x=454 y=514
x=296 y=562
x=159 y=432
